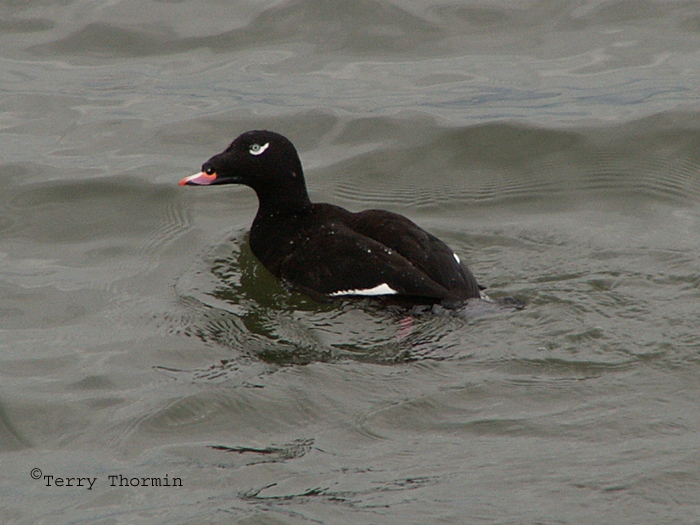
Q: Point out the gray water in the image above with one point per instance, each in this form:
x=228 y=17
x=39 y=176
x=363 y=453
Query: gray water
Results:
x=554 y=145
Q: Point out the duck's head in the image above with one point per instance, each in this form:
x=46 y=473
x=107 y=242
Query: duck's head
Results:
x=263 y=160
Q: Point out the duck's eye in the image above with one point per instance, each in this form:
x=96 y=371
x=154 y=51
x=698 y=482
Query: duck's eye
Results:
x=257 y=149
x=209 y=170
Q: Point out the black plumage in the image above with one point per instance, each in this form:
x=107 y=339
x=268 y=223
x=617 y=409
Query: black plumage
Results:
x=324 y=250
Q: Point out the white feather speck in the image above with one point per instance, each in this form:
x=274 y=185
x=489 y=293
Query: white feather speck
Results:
x=382 y=289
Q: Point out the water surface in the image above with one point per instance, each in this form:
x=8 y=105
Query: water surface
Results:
x=554 y=146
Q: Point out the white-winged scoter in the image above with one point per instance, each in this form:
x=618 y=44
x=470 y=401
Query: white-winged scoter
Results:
x=324 y=250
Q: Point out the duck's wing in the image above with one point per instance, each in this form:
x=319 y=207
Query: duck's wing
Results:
x=334 y=260
x=422 y=249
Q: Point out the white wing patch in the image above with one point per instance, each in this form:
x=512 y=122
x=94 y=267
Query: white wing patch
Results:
x=382 y=289
x=457 y=258
x=257 y=149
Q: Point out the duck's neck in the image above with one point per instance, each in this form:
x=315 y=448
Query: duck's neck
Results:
x=283 y=199
x=275 y=228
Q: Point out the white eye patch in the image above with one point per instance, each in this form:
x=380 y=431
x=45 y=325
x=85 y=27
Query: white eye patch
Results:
x=257 y=149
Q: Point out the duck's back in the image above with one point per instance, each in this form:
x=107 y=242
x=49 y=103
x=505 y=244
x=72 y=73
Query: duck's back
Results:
x=329 y=251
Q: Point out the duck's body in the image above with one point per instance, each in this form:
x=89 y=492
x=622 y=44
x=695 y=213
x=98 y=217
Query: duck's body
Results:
x=327 y=251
